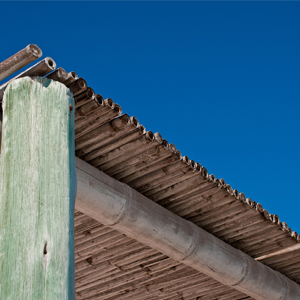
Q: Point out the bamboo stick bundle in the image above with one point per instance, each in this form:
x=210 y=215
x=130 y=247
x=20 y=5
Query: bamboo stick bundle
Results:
x=87 y=97
x=87 y=101
x=270 y=237
x=19 y=60
x=226 y=222
x=99 y=246
x=162 y=174
x=139 y=161
x=248 y=231
x=202 y=187
x=99 y=255
x=111 y=284
x=245 y=222
x=270 y=247
x=90 y=114
x=102 y=238
x=165 y=283
x=214 y=199
x=116 y=157
x=86 y=226
x=95 y=272
x=84 y=277
x=90 y=235
x=101 y=133
x=153 y=167
x=113 y=142
x=196 y=199
x=143 y=169
x=99 y=142
x=264 y=237
x=217 y=201
x=184 y=207
x=182 y=181
x=157 y=262
x=81 y=219
x=130 y=148
x=193 y=286
x=78 y=86
x=284 y=258
x=41 y=68
x=101 y=249
x=92 y=123
x=72 y=76
x=228 y=212
x=58 y=75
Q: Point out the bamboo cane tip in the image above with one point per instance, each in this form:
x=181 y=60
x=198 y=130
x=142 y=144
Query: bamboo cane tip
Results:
x=134 y=121
x=118 y=109
x=198 y=166
x=211 y=177
x=242 y=197
x=165 y=144
x=34 y=50
x=236 y=193
x=259 y=207
x=158 y=137
x=50 y=62
x=223 y=183
x=204 y=172
x=229 y=189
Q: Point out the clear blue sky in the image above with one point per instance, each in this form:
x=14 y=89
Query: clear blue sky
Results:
x=220 y=80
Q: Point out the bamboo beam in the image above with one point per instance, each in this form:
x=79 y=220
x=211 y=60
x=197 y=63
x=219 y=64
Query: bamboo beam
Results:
x=38 y=190
x=19 y=60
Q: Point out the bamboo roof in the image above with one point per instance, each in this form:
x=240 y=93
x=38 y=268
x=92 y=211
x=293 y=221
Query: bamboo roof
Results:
x=149 y=164
x=110 y=265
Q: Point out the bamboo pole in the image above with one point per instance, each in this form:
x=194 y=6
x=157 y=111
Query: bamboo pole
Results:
x=72 y=76
x=19 y=60
x=38 y=190
x=39 y=69
x=112 y=143
x=102 y=132
x=58 y=75
x=78 y=86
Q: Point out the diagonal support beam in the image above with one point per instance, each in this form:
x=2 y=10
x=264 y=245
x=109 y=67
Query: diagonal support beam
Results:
x=37 y=191
x=115 y=204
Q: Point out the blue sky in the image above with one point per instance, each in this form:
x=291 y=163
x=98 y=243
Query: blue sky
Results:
x=220 y=80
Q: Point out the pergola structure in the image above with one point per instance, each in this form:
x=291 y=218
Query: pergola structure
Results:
x=149 y=223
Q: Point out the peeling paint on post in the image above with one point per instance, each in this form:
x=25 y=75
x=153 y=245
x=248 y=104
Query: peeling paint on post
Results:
x=37 y=191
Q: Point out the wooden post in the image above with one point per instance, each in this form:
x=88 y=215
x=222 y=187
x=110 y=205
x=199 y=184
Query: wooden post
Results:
x=37 y=191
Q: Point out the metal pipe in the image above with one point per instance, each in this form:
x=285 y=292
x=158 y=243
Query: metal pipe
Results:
x=19 y=60
x=117 y=205
x=41 y=68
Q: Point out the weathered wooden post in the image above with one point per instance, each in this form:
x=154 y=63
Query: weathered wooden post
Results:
x=37 y=190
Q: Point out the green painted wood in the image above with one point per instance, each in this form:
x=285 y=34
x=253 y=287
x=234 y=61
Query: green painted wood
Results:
x=37 y=192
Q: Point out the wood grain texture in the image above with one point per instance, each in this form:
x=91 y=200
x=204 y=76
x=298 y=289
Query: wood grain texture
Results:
x=38 y=190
